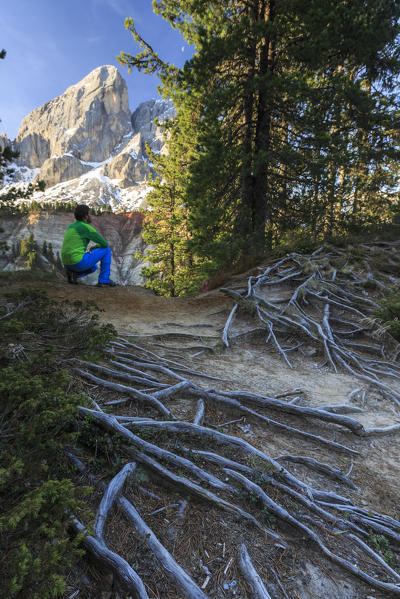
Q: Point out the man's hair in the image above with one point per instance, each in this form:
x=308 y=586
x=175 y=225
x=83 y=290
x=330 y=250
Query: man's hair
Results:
x=81 y=211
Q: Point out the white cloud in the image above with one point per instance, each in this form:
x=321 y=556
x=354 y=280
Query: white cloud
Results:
x=121 y=7
x=94 y=39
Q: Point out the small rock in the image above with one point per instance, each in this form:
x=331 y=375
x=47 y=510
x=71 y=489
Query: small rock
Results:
x=309 y=351
x=230 y=585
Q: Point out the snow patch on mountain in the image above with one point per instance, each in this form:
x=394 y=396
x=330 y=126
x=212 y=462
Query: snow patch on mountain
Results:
x=20 y=174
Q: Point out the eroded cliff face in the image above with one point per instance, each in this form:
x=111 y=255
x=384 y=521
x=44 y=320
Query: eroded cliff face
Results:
x=144 y=126
x=122 y=231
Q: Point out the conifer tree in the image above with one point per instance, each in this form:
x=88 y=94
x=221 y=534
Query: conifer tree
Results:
x=50 y=252
x=281 y=109
x=171 y=271
x=274 y=63
x=29 y=251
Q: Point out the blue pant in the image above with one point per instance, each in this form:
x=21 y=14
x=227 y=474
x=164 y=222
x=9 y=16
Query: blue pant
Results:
x=89 y=262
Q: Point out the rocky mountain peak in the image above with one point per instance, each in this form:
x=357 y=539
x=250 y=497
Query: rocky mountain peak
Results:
x=143 y=121
x=88 y=120
x=88 y=147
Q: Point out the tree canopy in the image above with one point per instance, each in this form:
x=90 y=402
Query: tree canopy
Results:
x=287 y=118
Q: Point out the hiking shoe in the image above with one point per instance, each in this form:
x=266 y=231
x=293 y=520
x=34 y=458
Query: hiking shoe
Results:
x=108 y=284
x=71 y=277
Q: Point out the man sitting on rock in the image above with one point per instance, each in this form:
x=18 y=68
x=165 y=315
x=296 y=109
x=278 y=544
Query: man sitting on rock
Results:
x=77 y=261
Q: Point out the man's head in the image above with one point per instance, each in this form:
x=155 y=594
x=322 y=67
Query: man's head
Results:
x=81 y=212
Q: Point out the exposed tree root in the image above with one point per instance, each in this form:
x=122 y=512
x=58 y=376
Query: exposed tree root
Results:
x=283 y=514
x=256 y=585
x=187 y=440
x=333 y=473
x=127 y=576
x=316 y=305
x=167 y=562
x=319 y=503
x=111 y=493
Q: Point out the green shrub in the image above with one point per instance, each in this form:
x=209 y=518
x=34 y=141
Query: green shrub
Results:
x=38 y=423
x=296 y=241
x=389 y=314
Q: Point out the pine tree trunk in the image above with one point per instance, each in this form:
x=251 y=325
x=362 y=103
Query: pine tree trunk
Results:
x=245 y=226
x=172 y=267
x=314 y=209
x=247 y=175
x=259 y=206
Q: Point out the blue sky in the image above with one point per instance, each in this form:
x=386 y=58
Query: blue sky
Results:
x=52 y=44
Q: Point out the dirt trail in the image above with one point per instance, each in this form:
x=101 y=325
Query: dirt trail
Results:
x=137 y=311
x=134 y=310
x=249 y=366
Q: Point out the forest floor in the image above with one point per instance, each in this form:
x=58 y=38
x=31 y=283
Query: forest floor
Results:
x=189 y=331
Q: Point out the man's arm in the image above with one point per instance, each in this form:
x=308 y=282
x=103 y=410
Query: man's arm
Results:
x=93 y=235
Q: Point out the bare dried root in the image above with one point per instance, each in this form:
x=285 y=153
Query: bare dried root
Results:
x=112 y=491
x=159 y=461
x=256 y=585
x=284 y=515
x=329 y=308
x=187 y=439
x=326 y=469
x=172 y=569
x=127 y=576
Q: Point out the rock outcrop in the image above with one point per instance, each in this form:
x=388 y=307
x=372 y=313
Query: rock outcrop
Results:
x=127 y=170
x=88 y=120
x=4 y=141
x=33 y=147
x=143 y=123
x=130 y=166
x=62 y=168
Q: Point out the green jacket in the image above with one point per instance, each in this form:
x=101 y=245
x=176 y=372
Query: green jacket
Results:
x=76 y=239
